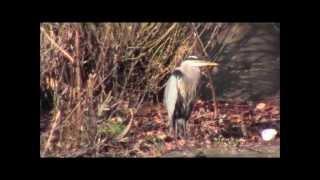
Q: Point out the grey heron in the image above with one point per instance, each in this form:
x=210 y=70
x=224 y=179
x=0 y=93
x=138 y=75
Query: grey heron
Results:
x=180 y=93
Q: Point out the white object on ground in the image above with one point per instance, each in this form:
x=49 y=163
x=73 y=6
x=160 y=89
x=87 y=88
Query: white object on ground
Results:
x=268 y=134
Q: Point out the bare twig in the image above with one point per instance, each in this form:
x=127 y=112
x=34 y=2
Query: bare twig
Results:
x=57 y=46
x=210 y=78
x=202 y=115
x=53 y=128
x=163 y=36
x=213 y=97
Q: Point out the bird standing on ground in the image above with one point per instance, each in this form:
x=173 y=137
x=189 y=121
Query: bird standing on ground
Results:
x=180 y=93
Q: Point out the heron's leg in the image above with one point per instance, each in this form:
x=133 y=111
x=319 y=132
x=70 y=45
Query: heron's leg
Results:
x=171 y=126
x=175 y=130
x=180 y=127
x=184 y=129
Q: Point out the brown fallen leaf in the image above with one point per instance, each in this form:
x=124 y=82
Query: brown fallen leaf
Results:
x=161 y=135
x=169 y=146
x=149 y=133
x=181 y=142
x=158 y=120
x=275 y=111
x=258 y=117
x=208 y=141
x=235 y=118
x=260 y=106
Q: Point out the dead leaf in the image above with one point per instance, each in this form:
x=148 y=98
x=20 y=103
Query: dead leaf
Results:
x=236 y=118
x=169 y=146
x=161 y=135
x=149 y=133
x=158 y=120
x=181 y=142
x=258 y=117
x=275 y=111
x=208 y=141
x=260 y=106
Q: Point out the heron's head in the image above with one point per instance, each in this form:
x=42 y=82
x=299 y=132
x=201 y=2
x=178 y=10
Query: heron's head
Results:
x=194 y=61
x=190 y=70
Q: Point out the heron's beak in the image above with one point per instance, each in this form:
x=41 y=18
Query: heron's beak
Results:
x=202 y=63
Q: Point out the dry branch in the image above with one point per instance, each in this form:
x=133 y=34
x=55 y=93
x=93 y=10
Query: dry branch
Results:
x=51 y=135
x=57 y=46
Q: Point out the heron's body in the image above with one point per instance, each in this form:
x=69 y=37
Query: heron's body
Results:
x=180 y=94
x=179 y=99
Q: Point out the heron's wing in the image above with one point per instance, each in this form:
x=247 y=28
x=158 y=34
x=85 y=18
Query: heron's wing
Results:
x=171 y=94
